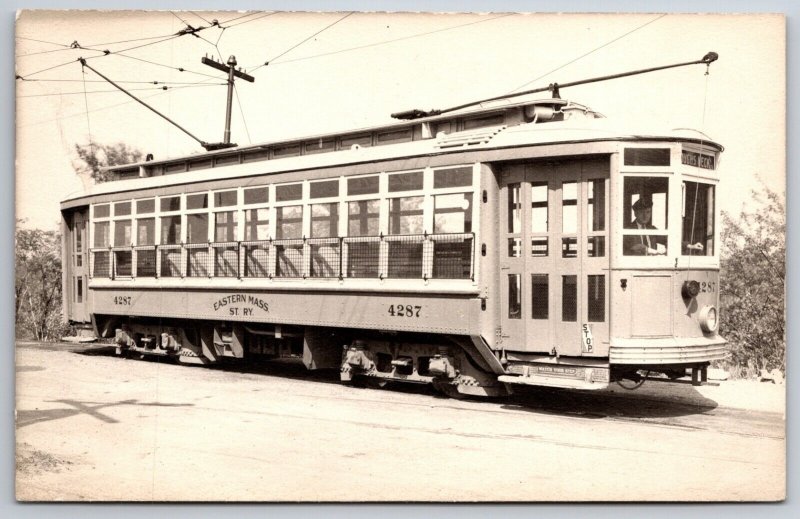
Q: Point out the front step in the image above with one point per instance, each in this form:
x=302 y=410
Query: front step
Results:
x=562 y=376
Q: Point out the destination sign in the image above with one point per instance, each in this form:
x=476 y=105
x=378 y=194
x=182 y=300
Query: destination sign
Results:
x=698 y=160
x=240 y=304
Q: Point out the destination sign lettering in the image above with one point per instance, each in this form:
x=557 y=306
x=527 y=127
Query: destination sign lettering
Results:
x=698 y=160
x=237 y=304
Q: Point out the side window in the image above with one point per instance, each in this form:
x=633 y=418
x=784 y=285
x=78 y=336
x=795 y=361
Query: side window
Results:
x=645 y=216
x=362 y=218
x=225 y=226
x=324 y=220
x=405 y=215
x=101 y=234
x=452 y=213
x=596 y=218
x=698 y=219
x=290 y=222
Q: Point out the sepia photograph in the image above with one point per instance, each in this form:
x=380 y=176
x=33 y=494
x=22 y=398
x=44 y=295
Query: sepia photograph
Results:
x=388 y=257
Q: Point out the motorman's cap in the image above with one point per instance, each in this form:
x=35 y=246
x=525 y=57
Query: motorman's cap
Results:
x=644 y=202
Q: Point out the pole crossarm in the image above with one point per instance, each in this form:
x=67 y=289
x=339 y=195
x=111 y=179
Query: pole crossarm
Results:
x=226 y=69
x=229 y=69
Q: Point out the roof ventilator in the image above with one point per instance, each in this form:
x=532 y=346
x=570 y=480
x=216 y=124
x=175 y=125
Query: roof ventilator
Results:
x=468 y=137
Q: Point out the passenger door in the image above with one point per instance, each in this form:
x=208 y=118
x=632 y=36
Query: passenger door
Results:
x=553 y=257
x=78 y=265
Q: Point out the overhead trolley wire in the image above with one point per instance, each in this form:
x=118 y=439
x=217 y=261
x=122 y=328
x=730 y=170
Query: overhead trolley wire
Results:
x=179 y=69
x=154 y=82
x=236 y=91
x=129 y=90
x=106 y=53
x=302 y=42
x=78 y=114
x=386 y=42
x=251 y=20
x=251 y=13
x=590 y=52
x=42 y=41
x=132 y=40
x=197 y=15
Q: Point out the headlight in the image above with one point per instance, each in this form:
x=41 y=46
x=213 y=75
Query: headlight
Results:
x=690 y=289
x=709 y=319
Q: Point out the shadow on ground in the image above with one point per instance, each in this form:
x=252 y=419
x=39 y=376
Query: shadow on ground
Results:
x=564 y=402
x=74 y=407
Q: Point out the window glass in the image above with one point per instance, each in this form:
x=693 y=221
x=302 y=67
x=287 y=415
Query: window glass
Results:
x=457 y=177
x=644 y=205
x=122 y=233
x=146 y=231
x=225 y=198
x=596 y=217
x=225 y=226
x=145 y=206
x=324 y=220
x=362 y=218
x=362 y=185
x=199 y=201
x=646 y=156
x=197 y=228
x=122 y=208
x=514 y=208
x=405 y=181
x=79 y=229
x=256 y=195
x=101 y=234
x=539 y=207
x=596 y=203
x=289 y=222
x=325 y=189
x=405 y=215
x=569 y=298
x=514 y=296
x=698 y=219
x=170 y=230
x=539 y=296
x=596 y=294
x=452 y=213
x=102 y=211
x=256 y=224
x=172 y=203
x=289 y=192
x=569 y=207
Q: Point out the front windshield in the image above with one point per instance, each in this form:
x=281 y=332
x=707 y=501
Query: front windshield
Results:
x=645 y=216
x=698 y=219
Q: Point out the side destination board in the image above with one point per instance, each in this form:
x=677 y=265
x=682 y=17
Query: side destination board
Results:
x=428 y=313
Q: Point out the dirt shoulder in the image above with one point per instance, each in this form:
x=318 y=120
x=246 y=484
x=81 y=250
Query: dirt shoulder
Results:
x=749 y=395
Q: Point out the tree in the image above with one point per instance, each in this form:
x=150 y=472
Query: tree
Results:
x=752 y=284
x=91 y=158
x=37 y=290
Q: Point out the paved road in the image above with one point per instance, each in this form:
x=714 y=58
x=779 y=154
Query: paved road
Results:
x=94 y=426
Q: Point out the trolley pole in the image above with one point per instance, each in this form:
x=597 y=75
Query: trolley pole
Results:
x=232 y=72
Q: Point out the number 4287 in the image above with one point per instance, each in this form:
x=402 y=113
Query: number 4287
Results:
x=404 y=310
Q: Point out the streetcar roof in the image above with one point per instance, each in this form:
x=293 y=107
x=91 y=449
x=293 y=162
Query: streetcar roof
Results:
x=586 y=126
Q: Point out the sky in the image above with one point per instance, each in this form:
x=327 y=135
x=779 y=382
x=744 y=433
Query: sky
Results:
x=332 y=71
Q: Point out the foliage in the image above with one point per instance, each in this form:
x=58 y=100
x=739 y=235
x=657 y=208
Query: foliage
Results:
x=752 y=284
x=37 y=287
x=91 y=158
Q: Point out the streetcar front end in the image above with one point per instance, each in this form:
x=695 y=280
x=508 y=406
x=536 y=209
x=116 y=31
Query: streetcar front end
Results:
x=664 y=277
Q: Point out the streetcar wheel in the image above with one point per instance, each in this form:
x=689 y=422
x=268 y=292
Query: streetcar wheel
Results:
x=447 y=389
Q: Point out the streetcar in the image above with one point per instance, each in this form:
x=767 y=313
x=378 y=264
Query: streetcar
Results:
x=519 y=241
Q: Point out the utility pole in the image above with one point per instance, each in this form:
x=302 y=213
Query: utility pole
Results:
x=232 y=72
